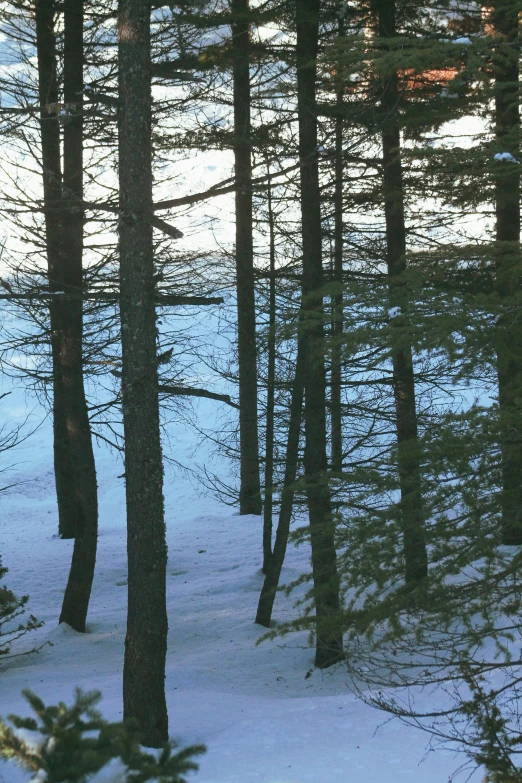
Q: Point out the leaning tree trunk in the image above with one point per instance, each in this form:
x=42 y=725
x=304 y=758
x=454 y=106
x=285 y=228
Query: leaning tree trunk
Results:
x=78 y=590
x=273 y=572
x=409 y=453
x=250 y=488
x=146 y=639
x=329 y=645
x=504 y=18
x=270 y=393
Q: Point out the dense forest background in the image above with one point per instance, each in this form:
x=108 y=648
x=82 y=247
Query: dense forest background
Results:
x=308 y=213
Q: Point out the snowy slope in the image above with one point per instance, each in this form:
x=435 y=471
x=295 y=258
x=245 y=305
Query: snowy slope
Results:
x=261 y=719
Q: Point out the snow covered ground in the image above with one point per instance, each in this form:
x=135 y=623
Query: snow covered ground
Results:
x=262 y=719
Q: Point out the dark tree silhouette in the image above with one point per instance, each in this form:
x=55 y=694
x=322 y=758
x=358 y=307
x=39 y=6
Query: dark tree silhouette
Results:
x=250 y=489
x=146 y=640
x=329 y=647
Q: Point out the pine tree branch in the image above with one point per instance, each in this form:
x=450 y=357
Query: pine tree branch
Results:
x=171 y=231
x=162 y=300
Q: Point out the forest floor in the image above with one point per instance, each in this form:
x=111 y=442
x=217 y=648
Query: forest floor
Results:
x=262 y=718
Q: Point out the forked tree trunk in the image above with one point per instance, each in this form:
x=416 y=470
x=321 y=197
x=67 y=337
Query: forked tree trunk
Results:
x=329 y=645
x=409 y=453
x=273 y=573
x=52 y=191
x=504 y=19
x=250 y=487
x=75 y=472
x=146 y=639
x=78 y=590
x=270 y=394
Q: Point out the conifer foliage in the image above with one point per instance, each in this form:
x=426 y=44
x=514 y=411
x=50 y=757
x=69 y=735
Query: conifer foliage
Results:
x=65 y=744
x=384 y=372
x=11 y=608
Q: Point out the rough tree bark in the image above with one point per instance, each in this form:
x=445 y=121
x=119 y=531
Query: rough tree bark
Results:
x=329 y=645
x=70 y=315
x=146 y=639
x=250 y=487
x=409 y=455
x=504 y=19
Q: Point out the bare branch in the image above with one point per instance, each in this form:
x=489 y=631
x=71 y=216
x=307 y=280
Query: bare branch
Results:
x=185 y=391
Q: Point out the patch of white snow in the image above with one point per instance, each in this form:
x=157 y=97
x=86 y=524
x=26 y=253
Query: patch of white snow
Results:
x=506 y=157
x=33 y=740
x=115 y=771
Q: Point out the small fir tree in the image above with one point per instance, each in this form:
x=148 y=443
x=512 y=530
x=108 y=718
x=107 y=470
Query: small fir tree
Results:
x=11 y=608
x=72 y=744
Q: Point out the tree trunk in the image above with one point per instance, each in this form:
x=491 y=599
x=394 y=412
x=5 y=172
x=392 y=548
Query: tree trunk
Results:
x=329 y=647
x=146 y=640
x=273 y=573
x=78 y=590
x=270 y=395
x=337 y=298
x=409 y=456
x=64 y=464
x=250 y=488
x=504 y=18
